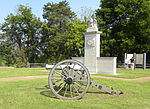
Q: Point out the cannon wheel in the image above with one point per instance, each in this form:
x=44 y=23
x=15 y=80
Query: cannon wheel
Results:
x=69 y=79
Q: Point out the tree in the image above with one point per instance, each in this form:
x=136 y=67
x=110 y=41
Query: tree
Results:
x=75 y=38
x=125 y=26
x=23 y=32
x=7 y=53
x=57 y=16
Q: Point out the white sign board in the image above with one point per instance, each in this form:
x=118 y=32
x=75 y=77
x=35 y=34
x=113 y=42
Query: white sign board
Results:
x=139 y=58
x=129 y=56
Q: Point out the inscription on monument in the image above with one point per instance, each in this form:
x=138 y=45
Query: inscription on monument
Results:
x=91 y=42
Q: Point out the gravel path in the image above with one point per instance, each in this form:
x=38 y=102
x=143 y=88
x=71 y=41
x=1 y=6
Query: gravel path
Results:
x=144 y=79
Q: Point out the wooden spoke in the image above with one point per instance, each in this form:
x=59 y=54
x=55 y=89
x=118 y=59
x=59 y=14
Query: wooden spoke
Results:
x=70 y=90
x=81 y=80
x=59 y=83
x=76 y=89
x=79 y=85
x=58 y=73
x=61 y=88
x=64 y=71
x=58 y=78
x=66 y=90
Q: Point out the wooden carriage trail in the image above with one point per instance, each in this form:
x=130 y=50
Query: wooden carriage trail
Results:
x=143 y=79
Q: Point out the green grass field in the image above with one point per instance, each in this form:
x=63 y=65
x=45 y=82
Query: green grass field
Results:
x=35 y=94
x=123 y=73
x=19 y=72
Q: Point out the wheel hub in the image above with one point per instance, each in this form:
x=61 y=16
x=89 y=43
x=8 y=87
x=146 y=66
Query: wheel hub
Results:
x=69 y=80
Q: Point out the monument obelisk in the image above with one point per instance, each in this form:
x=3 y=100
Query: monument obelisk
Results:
x=92 y=46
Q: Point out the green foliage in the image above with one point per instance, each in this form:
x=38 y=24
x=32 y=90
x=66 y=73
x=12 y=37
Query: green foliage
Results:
x=1 y=61
x=22 y=32
x=124 y=23
x=62 y=33
x=7 y=53
x=125 y=26
x=57 y=15
x=75 y=38
x=27 y=39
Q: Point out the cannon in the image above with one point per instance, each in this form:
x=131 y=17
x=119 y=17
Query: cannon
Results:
x=70 y=80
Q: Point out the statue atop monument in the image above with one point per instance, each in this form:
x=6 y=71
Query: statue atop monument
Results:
x=92 y=25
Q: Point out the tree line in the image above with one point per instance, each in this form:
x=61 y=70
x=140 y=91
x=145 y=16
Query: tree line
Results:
x=26 y=39
x=126 y=27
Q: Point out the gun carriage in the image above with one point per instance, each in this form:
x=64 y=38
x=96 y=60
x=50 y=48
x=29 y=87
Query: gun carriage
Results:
x=70 y=79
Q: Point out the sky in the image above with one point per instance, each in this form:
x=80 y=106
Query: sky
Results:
x=9 y=6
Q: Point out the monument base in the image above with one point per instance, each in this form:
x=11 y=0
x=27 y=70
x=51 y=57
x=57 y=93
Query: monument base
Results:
x=105 y=65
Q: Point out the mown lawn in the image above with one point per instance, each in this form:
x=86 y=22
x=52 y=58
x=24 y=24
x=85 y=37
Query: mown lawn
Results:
x=123 y=73
x=34 y=94
x=19 y=72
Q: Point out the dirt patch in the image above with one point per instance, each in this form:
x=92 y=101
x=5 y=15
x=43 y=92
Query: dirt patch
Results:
x=44 y=70
x=144 y=79
x=6 y=67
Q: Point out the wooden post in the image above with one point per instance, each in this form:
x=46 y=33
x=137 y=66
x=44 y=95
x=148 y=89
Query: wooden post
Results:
x=144 y=61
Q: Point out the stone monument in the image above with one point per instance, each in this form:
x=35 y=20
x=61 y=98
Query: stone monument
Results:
x=92 y=46
x=92 y=59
